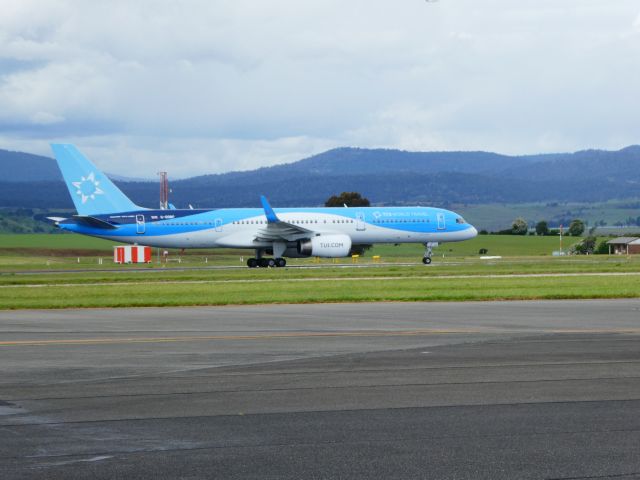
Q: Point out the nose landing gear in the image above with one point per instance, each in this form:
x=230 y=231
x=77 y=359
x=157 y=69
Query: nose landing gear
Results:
x=428 y=252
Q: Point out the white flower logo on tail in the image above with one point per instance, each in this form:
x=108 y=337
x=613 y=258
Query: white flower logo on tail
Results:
x=88 y=188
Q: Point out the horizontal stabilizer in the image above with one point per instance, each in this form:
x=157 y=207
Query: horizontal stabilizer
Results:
x=94 y=222
x=56 y=219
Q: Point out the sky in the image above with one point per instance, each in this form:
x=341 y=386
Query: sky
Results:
x=208 y=86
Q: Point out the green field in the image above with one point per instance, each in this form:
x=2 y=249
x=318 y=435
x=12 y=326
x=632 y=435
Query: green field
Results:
x=525 y=271
x=53 y=241
x=496 y=216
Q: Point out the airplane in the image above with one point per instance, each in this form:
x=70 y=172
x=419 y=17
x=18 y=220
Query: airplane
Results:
x=104 y=211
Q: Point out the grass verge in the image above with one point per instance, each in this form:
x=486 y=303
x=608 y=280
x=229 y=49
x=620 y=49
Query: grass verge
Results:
x=320 y=290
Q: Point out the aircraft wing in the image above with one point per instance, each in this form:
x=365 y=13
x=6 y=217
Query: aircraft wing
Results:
x=282 y=231
x=277 y=230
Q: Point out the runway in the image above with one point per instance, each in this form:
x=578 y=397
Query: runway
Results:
x=495 y=390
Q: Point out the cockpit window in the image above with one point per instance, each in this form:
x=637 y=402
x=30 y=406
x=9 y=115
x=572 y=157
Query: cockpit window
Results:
x=460 y=220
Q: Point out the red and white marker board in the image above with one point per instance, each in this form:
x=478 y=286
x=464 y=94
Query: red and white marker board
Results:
x=131 y=254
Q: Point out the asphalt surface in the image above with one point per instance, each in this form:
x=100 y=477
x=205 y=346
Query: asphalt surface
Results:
x=435 y=390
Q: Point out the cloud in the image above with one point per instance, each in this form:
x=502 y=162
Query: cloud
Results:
x=235 y=85
x=46 y=118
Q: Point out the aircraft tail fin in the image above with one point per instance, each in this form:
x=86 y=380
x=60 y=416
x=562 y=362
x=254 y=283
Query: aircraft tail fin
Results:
x=91 y=190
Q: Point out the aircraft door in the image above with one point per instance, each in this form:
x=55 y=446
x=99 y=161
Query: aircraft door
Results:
x=140 y=226
x=360 y=223
x=218 y=224
x=441 y=223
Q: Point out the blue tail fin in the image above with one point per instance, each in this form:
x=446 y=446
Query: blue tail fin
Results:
x=91 y=190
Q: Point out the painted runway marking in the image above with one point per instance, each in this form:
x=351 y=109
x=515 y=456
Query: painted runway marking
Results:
x=327 y=279
x=266 y=336
x=298 y=335
x=97 y=458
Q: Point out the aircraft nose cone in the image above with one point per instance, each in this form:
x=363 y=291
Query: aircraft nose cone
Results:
x=472 y=231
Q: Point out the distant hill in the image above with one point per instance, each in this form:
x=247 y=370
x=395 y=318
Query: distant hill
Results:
x=618 y=166
x=389 y=177
x=26 y=167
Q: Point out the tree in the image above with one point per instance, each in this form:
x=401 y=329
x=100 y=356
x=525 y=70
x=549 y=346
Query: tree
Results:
x=602 y=248
x=519 y=226
x=576 y=228
x=587 y=246
x=350 y=199
x=542 y=228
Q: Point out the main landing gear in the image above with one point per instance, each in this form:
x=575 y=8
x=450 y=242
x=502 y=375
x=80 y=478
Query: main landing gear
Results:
x=277 y=261
x=266 y=262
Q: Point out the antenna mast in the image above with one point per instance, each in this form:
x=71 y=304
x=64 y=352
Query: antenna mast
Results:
x=164 y=190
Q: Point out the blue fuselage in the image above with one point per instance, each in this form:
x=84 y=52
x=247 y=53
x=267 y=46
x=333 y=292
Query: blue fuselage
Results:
x=245 y=228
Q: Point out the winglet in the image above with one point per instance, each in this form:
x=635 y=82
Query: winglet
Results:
x=268 y=211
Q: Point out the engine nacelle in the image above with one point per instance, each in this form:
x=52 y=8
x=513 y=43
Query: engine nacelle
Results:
x=327 y=246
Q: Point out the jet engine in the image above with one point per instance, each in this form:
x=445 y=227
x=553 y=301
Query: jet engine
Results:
x=328 y=246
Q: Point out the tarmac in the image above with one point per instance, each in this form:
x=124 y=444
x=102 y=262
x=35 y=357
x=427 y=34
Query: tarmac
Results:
x=495 y=390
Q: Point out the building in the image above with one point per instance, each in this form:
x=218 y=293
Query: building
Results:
x=624 y=246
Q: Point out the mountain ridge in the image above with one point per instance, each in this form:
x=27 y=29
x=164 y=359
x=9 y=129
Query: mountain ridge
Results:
x=385 y=176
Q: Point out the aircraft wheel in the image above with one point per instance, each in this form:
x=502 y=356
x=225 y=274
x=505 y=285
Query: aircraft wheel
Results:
x=263 y=262
x=426 y=260
x=252 y=263
x=271 y=263
x=281 y=262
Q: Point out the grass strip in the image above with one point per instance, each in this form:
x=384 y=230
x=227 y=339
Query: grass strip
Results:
x=510 y=267
x=327 y=291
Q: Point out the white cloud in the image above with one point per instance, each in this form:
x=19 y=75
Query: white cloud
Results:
x=209 y=86
x=46 y=118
